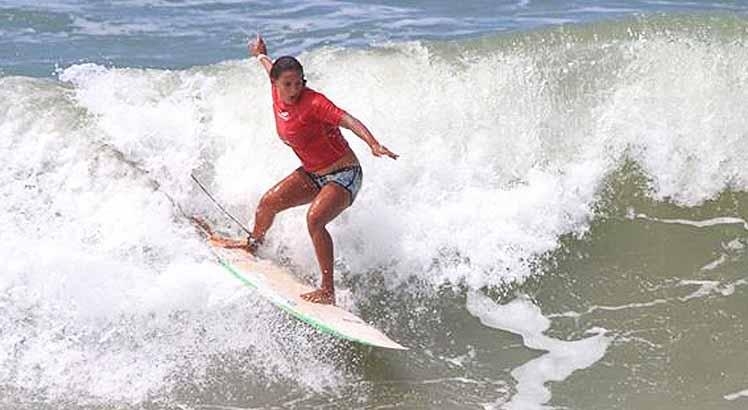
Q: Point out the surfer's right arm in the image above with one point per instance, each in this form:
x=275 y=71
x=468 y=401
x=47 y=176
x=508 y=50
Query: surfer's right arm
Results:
x=258 y=50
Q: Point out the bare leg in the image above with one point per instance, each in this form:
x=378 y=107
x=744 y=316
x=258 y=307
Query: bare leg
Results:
x=329 y=203
x=294 y=190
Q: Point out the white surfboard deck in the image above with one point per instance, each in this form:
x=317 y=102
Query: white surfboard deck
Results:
x=282 y=289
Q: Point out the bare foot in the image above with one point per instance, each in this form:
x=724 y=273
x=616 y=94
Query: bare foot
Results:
x=223 y=241
x=233 y=244
x=322 y=296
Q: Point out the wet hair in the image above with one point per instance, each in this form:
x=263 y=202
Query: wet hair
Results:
x=286 y=63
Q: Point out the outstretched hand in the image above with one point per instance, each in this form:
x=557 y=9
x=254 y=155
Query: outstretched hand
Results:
x=379 y=150
x=257 y=46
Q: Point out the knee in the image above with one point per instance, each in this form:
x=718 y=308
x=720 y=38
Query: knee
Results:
x=315 y=222
x=268 y=204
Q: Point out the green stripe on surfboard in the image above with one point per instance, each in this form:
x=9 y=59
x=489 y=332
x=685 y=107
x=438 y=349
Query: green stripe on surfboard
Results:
x=306 y=319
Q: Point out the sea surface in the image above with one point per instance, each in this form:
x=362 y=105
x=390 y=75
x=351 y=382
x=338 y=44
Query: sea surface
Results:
x=566 y=226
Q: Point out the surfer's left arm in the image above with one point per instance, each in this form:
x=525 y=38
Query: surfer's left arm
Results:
x=357 y=127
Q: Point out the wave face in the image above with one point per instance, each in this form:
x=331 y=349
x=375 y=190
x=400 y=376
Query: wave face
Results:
x=507 y=143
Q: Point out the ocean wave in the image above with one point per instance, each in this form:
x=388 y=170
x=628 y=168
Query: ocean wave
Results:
x=506 y=143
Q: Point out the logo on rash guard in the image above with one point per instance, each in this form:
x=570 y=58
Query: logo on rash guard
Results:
x=283 y=115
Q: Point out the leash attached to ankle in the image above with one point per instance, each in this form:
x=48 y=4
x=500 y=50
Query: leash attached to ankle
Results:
x=253 y=243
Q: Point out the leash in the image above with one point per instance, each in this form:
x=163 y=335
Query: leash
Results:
x=219 y=205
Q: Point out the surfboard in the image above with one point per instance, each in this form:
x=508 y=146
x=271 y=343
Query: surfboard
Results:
x=280 y=287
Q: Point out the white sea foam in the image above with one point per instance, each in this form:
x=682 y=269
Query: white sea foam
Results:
x=519 y=207
x=725 y=220
x=734 y=245
x=686 y=128
x=592 y=309
x=98 y=28
x=707 y=287
x=561 y=359
x=737 y=395
x=107 y=295
x=715 y=263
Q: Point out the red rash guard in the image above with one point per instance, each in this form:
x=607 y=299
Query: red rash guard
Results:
x=310 y=128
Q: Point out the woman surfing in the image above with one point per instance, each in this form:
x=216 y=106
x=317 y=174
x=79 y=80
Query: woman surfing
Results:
x=330 y=175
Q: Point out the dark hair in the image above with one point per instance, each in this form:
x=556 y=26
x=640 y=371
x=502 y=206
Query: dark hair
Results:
x=286 y=63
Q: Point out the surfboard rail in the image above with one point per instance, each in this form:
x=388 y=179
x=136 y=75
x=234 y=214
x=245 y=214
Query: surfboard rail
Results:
x=282 y=289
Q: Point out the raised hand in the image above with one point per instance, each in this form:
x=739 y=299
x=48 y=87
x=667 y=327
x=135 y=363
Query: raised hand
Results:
x=257 y=46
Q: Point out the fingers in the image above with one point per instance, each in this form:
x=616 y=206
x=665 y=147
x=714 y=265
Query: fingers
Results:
x=257 y=46
x=382 y=150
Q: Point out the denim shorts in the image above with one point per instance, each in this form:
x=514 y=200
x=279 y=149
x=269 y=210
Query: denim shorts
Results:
x=349 y=178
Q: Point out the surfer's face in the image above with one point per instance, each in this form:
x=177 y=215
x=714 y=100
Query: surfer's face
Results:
x=289 y=84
